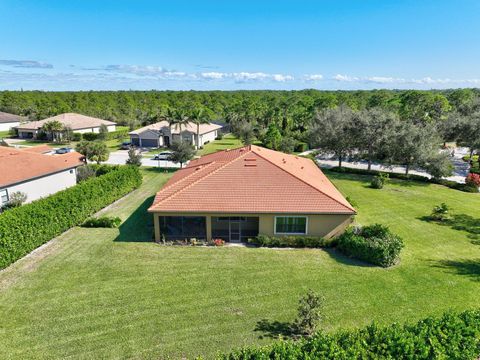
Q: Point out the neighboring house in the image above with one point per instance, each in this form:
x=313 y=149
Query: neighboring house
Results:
x=240 y=193
x=161 y=135
x=36 y=172
x=77 y=122
x=8 y=121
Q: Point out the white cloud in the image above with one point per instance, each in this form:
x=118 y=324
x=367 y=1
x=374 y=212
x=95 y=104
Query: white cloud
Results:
x=313 y=77
x=30 y=64
x=213 y=75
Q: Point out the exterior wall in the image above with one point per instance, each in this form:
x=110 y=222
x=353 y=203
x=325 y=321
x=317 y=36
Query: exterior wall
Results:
x=111 y=128
x=7 y=126
x=27 y=134
x=325 y=225
x=47 y=185
x=207 y=137
x=81 y=131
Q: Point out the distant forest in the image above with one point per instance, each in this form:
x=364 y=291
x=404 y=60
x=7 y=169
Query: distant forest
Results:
x=293 y=110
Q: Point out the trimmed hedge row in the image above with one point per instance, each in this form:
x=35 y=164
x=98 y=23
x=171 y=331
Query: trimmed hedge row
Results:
x=451 y=336
x=289 y=241
x=111 y=135
x=25 y=228
x=410 y=177
x=375 y=244
x=102 y=222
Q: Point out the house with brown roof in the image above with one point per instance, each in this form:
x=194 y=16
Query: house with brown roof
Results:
x=8 y=121
x=237 y=194
x=36 y=171
x=76 y=122
x=162 y=135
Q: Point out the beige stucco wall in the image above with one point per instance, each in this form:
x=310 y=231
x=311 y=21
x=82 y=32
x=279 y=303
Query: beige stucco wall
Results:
x=8 y=126
x=326 y=225
x=46 y=185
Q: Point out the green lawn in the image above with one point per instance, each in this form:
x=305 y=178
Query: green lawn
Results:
x=228 y=141
x=109 y=293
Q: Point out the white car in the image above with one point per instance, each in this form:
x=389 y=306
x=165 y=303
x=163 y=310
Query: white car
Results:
x=163 y=156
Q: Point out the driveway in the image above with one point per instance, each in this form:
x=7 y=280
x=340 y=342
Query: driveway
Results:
x=120 y=157
x=461 y=168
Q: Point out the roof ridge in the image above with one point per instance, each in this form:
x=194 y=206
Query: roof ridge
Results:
x=184 y=178
x=201 y=178
x=295 y=176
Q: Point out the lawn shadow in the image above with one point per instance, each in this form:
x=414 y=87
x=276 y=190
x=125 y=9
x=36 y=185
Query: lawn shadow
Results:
x=460 y=222
x=138 y=227
x=468 y=267
x=274 y=329
x=345 y=260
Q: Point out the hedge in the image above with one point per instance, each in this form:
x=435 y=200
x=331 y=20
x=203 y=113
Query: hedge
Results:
x=450 y=336
x=289 y=241
x=102 y=222
x=410 y=177
x=111 y=135
x=25 y=228
x=375 y=244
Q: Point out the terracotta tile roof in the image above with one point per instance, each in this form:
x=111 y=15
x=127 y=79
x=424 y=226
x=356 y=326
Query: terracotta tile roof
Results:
x=75 y=121
x=24 y=164
x=204 y=128
x=251 y=179
x=39 y=149
x=8 y=118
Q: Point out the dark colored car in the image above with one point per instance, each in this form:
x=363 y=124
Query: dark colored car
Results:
x=64 y=150
x=126 y=145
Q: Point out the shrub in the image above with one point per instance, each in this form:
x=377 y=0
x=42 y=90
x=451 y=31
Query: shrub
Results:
x=375 y=244
x=219 y=136
x=134 y=157
x=289 y=241
x=76 y=136
x=440 y=212
x=25 y=228
x=472 y=180
x=301 y=147
x=378 y=181
x=218 y=242
x=85 y=172
x=90 y=136
x=102 y=222
x=310 y=308
x=16 y=199
x=450 y=336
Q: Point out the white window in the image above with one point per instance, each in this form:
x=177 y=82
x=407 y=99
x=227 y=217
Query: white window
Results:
x=3 y=197
x=291 y=225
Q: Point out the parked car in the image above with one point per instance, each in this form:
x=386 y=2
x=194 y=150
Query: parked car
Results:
x=126 y=145
x=165 y=155
x=64 y=150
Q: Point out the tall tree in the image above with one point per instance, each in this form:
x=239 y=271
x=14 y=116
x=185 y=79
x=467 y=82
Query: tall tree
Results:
x=199 y=116
x=181 y=152
x=372 y=129
x=331 y=132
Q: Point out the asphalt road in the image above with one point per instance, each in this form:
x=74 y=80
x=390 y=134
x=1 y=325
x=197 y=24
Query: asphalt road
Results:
x=121 y=156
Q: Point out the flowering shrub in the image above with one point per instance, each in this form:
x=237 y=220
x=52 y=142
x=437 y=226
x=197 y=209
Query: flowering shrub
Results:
x=218 y=242
x=473 y=179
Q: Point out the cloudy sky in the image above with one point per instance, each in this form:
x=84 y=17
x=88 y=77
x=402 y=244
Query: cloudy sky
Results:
x=337 y=44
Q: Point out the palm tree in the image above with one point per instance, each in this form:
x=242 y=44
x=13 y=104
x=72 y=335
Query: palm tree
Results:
x=199 y=116
x=180 y=119
x=53 y=128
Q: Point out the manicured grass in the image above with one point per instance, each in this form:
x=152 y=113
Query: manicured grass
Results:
x=4 y=134
x=110 y=293
x=229 y=141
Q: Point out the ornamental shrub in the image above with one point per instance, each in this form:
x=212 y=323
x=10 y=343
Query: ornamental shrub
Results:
x=450 y=336
x=375 y=244
x=378 y=181
x=25 y=228
x=102 y=222
x=296 y=241
x=473 y=180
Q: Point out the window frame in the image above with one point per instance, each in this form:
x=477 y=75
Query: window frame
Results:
x=290 y=233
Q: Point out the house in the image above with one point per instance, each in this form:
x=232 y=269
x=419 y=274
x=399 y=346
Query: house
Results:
x=8 y=121
x=240 y=193
x=162 y=135
x=77 y=122
x=36 y=171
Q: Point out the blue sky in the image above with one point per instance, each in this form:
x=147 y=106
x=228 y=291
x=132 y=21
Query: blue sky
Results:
x=181 y=45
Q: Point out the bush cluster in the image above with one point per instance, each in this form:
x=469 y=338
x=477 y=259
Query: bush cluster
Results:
x=450 y=336
x=375 y=244
x=297 y=241
x=102 y=222
x=121 y=132
x=378 y=181
x=25 y=228
x=410 y=177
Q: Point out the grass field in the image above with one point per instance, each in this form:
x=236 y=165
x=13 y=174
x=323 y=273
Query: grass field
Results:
x=227 y=142
x=109 y=293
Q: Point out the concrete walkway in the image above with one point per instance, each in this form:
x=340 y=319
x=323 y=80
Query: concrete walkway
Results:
x=461 y=168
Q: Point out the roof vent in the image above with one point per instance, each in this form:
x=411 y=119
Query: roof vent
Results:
x=250 y=165
x=198 y=168
x=250 y=159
